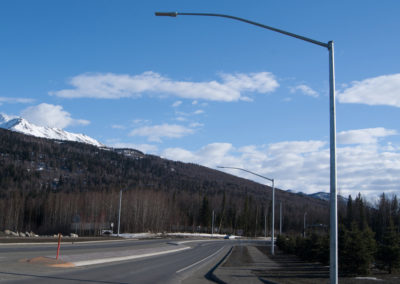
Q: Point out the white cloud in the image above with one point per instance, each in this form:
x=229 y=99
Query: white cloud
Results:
x=141 y=121
x=118 y=126
x=364 y=136
x=196 y=124
x=51 y=115
x=305 y=90
x=296 y=147
x=210 y=155
x=382 y=90
x=199 y=111
x=114 y=86
x=145 y=148
x=304 y=165
x=15 y=100
x=155 y=133
x=177 y=103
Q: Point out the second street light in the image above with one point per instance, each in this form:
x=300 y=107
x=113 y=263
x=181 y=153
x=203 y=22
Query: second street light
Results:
x=333 y=263
x=273 y=203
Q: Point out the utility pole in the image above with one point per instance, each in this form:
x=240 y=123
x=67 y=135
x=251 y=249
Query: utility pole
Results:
x=119 y=211
x=212 y=224
x=265 y=223
x=280 y=218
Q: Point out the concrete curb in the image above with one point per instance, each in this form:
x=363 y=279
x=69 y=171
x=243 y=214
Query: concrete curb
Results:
x=211 y=275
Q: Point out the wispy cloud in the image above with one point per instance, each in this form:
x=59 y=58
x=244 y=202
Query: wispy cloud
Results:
x=156 y=133
x=51 y=115
x=114 y=86
x=15 y=100
x=364 y=136
x=381 y=90
x=305 y=90
x=177 y=103
x=145 y=148
x=196 y=124
x=118 y=126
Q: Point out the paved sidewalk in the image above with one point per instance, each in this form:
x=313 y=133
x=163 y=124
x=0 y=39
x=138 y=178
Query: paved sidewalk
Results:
x=251 y=264
x=241 y=265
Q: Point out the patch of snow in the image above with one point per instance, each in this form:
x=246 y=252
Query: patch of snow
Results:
x=369 y=278
x=137 y=235
x=157 y=235
x=201 y=235
x=23 y=126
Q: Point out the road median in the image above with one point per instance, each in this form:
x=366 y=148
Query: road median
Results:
x=77 y=260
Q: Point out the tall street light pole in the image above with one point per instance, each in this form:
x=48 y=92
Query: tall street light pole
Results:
x=119 y=211
x=332 y=127
x=304 y=225
x=280 y=218
x=273 y=203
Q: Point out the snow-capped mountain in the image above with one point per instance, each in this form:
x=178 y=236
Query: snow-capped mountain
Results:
x=21 y=125
x=319 y=195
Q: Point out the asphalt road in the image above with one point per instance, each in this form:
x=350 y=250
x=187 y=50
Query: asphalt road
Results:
x=167 y=268
x=50 y=248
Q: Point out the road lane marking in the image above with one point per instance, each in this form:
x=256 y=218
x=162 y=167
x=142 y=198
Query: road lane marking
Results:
x=129 y=257
x=194 y=264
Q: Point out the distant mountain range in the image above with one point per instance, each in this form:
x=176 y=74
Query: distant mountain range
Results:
x=23 y=126
x=319 y=195
x=46 y=178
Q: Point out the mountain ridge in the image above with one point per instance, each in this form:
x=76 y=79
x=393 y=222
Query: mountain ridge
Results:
x=21 y=125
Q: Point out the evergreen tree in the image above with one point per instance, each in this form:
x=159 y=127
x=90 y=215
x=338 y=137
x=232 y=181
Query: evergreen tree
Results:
x=389 y=250
x=222 y=215
x=395 y=213
x=356 y=249
x=382 y=218
x=359 y=209
x=349 y=213
x=205 y=213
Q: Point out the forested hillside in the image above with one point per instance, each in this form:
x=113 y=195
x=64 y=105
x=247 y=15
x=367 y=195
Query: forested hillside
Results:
x=50 y=186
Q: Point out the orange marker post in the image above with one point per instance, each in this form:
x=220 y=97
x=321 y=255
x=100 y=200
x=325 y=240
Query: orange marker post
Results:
x=58 y=247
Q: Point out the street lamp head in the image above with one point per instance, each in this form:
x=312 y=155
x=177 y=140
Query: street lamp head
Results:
x=166 y=14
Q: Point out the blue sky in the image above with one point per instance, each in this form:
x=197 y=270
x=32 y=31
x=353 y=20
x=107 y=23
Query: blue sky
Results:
x=214 y=91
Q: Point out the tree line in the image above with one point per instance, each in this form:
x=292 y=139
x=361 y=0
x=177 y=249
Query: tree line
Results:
x=52 y=186
x=369 y=237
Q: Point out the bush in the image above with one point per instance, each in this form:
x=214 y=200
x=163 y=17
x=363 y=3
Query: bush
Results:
x=313 y=248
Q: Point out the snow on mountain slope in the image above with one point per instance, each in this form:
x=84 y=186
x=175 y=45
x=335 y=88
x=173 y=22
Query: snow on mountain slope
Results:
x=21 y=125
x=319 y=195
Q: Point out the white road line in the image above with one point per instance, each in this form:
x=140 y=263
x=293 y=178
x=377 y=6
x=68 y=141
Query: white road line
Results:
x=112 y=259
x=194 y=264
